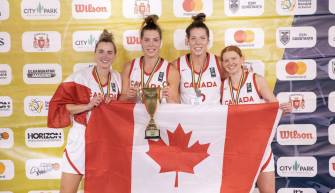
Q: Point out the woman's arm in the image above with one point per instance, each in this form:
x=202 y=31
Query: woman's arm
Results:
x=127 y=92
x=171 y=92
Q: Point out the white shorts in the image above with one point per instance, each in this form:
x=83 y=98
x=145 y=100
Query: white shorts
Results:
x=74 y=152
x=268 y=165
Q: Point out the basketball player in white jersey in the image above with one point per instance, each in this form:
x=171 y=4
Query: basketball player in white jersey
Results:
x=150 y=70
x=78 y=95
x=249 y=88
x=200 y=72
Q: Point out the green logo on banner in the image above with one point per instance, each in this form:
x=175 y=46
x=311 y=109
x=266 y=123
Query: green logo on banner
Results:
x=91 y=40
x=39 y=8
x=296 y=166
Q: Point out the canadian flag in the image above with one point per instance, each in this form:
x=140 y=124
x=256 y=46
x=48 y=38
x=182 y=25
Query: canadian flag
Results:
x=202 y=148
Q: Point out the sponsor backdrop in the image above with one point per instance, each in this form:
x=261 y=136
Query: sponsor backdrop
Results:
x=290 y=42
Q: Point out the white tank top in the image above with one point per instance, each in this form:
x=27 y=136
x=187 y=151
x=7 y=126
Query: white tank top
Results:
x=210 y=84
x=248 y=94
x=160 y=75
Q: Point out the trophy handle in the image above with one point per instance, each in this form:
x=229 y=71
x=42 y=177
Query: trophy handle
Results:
x=138 y=86
x=164 y=84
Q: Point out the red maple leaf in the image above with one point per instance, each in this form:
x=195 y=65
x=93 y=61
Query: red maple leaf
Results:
x=177 y=156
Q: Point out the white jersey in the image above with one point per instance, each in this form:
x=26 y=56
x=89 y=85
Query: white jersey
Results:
x=74 y=153
x=248 y=93
x=160 y=75
x=210 y=84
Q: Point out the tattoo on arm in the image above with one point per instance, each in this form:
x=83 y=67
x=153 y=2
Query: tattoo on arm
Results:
x=266 y=100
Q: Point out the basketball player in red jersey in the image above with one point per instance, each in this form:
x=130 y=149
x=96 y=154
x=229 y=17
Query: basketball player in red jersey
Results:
x=200 y=72
x=248 y=88
x=150 y=70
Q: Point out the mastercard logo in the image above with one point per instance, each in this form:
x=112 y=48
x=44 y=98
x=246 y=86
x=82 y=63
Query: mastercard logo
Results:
x=293 y=68
x=193 y=5
x=246 y=36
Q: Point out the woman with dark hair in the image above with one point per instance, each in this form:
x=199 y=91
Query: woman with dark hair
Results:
x=249 y=88
x=77 y=96
x=200 y=72
x=150 y=70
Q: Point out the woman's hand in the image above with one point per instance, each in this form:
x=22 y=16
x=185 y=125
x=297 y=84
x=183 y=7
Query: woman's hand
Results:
x=108 y=99
x=131 y=93
x=95 y=102
x=286 y=108
x=167 y=94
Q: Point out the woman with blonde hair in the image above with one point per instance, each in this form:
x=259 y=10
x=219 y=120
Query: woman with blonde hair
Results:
x=77 y=96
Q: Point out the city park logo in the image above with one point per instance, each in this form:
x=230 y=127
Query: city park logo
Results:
x=43 y=168
x=245 y=38
x=37 y=9
x=296 y=7
x=302 y=102
x=6 y=106
x=296 y=37
x=91 y=9
x=36 y=105
x=44 y=41
x=297 y=166
x=85 y=41
x=296 y=134
x=4 y=42
x=188 y=8
x=4 y=9
x=6 y=138
x=243 y=8
x=141 y=8
x=5 y=74
x=296 y=69
x=44 y=137
x=6 y=170
x=42 y=73
x=181 y=41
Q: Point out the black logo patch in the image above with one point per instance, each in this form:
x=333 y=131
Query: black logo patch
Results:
x=249 y=88
x=212 y=70
x=113 y=87
x=160 y=76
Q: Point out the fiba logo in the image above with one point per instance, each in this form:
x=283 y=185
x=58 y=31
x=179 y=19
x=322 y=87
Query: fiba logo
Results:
x=288 y=5
x=193 y=5
x=36 y=105
x=246 y=36
x=298 y=68
x=4 y=136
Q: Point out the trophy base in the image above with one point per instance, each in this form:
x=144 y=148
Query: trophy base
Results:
x=152 y=134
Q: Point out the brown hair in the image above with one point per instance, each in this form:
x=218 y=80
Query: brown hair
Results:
x=231 y=48
x=198 y=22
x=150 y=23
x=106 y=37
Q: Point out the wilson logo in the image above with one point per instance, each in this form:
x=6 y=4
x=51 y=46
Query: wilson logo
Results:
x=295 y=135
x=133 y=40
x=79 y=8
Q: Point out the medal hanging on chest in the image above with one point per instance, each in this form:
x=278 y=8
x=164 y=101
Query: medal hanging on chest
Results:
x=146 y=85
x=197 y=100
x=100 y=85
x=235 y=99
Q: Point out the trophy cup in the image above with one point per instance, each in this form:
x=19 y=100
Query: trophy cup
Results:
x=151 y=100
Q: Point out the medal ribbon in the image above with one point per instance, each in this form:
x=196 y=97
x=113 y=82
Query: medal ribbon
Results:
x=100 y=85
x=235 y=101
x=196 y=85
x=145 y=85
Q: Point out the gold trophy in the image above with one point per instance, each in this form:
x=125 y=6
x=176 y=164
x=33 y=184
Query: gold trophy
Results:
x=151 y=99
